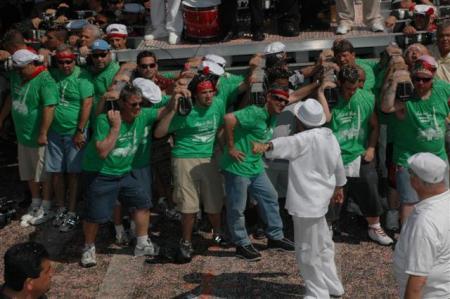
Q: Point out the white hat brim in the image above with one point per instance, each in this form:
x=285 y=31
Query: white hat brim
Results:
x=304 y=121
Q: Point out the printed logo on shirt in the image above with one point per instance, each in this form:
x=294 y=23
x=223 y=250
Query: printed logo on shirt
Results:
x=130 y=140
x=433 y=132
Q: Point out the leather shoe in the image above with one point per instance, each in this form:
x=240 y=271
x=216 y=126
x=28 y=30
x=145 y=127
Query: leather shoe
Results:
x=258 y=36
x=288 y=29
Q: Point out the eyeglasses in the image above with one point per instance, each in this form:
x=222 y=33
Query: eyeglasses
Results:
x=423 y=80
x=97 y=55
x=280 y=99
x=63 y=62
x=150 y=65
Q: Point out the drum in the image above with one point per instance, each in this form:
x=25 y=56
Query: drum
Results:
x=201 y=20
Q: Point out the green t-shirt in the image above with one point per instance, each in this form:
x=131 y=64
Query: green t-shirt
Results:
x=73 y=90
x=120 y=159
x=423 y=128
x=366 y=65
x=195 y=133
x=228 y=87
x=350 y=123
x=28 y=100
x=255 y=124
x=102 y=81
x=143 y=153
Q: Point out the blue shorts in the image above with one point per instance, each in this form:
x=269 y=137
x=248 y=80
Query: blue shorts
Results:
x=144 y=177
x=102 y=191
x=62 y=155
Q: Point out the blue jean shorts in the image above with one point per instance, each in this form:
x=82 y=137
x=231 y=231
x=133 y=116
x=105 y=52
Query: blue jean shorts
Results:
x=102 y=191
x=144 y=177
x=62 y=155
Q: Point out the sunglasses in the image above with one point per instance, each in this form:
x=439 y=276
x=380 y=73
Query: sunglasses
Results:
x=63 y=62
x=97 y=55
x=280 y=99
x=423 y=80
x=150 y=65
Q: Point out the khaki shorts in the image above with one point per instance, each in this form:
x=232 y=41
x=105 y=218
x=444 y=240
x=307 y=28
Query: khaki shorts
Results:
x=32 y=163
x=197 y=179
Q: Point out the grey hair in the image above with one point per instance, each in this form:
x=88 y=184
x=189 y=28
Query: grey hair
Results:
x=97 y=31
x=63 y=48
x=442 y=26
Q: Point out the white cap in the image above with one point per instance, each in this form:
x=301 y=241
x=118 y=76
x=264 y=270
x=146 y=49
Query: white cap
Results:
x=213 y=67
x=310 y=113
x=215 y=58
x=150 y=91
x=133 y=8
x=118 y=30
x=423 y=9
x=275 y=47
x=23 y=57
x=428 y=167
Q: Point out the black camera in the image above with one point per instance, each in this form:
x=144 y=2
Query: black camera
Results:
x=426 y=38
x=404 y=91
x=7 y=211
x=332 y=96
x=48 y=21
x=184 y=106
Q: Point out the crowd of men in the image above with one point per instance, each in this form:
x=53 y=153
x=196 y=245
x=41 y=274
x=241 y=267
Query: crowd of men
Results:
x=122 y=138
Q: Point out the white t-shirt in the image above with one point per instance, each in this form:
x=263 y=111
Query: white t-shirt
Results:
x=315 y=168
x=423 y=248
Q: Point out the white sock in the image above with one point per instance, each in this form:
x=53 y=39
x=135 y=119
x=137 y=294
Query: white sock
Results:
x=46 y=205
x=88 y=246
x=36 y=202
x=142 y=241
x=133 y=227
x=119 y=230
x=375 y=226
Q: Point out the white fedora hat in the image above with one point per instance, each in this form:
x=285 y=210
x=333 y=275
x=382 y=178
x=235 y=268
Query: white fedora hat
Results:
x=310 y=113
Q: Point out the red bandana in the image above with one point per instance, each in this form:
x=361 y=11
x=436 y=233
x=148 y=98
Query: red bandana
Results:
x=204 y=85
x=60 y=56
x=280 y=92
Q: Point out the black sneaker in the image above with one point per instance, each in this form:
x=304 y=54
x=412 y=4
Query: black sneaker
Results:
x=220 y=240
x=184 y=252
x=282 y=244
x=248 y=252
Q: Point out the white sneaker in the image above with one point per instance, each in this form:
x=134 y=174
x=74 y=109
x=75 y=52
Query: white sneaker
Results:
x=343 y=29
x=122 y=239
x=149 y=249
x=173 y=38
x=377 y=27
x=42 y=216
x=88 y=258
x=378 y=235
x=26 y=218
x=392 y=220
x=158 y=33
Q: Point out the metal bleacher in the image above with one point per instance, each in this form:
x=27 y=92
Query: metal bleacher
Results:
x=301 y=48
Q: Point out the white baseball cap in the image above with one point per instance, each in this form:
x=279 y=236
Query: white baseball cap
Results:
x=213 y=67
x=23 y=57
x=310 y=113
x=116 y=30
x=275 y=47
x=423 y=9
x=428 y=167
x=150 y=91
x=216 y=59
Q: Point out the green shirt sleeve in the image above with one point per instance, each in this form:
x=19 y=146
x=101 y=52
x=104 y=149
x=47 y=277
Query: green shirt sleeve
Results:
x=151 y=115
x=49 y=92
x=85 y=86
x=246 y=117
x=102 y=127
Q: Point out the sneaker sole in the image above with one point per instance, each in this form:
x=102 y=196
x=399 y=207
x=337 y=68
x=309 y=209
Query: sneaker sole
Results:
x=248 y=259
x=280 y=249
x=90 y=265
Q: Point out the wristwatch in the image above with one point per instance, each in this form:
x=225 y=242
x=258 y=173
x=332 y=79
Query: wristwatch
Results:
x=80 y=130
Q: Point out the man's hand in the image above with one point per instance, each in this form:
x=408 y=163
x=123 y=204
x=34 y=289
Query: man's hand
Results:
x=237 y=155
x=369 y=154
x=114 y=119
x=42 y=139
x=179 y=92
x=259 y=148
x=79 y=140
x=338 y=196
x=84 y=51
x=255 y=61
x=325 y=85
x=4 y=55
x=111 y=95
x=409 y=30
